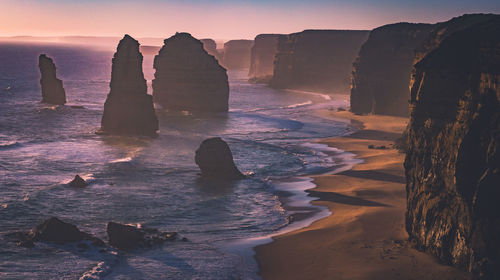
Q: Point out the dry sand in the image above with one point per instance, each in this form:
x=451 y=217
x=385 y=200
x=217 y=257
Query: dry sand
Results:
x=365 y=237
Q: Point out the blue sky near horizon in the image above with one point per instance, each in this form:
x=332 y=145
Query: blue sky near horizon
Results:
x=220 y=19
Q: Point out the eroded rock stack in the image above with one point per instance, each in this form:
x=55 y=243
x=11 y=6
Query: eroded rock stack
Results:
x=317 y=60
x=187 y=78
x=128 y=109
x=237 y=54
x=262 y=57
x=453 y=159
x=215 y=160
x=381 y=73
x=52 y=88
x=211 y=47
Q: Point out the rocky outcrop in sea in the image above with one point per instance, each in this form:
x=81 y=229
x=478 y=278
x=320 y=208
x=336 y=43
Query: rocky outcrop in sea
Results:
x=237 y=54
x=127 y=237
x=317 y=60
x=453 y=159
x=128 y=108
x=187 y=78
x=262 y=58
x=215 y=159
x=52 y=88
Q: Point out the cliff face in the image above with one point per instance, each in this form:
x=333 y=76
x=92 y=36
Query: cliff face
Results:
x=319 y=60
x=128 y=108
x=237 y=54
x=381 y=73
x=262 y=57
x=187 y=78
x=52 y=88
x=453 y=159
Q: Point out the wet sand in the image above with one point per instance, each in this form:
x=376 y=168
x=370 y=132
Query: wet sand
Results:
x=365 y=237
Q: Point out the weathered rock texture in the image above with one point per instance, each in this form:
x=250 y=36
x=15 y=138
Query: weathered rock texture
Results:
x=453 y=158
x=381 y=73
x=187 y=78
x=52 y=88
x=128 y=237
x=262 y=57
x=216 y=160
x=211 y=47
x=318 y=60
x=237 y=54
x=128 y=108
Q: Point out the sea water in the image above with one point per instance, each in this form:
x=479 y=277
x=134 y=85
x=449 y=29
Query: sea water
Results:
x=149 y=182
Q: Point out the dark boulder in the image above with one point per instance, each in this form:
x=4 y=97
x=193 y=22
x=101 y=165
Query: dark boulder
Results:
x=52 y=88
x=128 y=108
x=215 y=160
x=129 y=237
x=78 y=182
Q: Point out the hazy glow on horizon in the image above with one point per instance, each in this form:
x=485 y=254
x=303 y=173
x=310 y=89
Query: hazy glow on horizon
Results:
x=219 y=19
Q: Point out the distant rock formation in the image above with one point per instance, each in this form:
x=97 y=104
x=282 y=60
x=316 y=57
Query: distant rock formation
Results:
x=262 y=58
x=211 y=47
x=52 y=88
x=187 y=78
x=453 y=159
x=316 y=60
x=78 y=182
x=215 y=160
x=129 y=237
x=237 y=54
x=128 y=109
x=381 y=73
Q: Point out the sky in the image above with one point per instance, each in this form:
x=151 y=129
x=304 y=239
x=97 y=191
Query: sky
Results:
x=219 y=19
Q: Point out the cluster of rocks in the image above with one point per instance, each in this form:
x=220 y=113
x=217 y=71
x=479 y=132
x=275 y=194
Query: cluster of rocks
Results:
x=52 y=88
x=124 y=237
x=453 y=149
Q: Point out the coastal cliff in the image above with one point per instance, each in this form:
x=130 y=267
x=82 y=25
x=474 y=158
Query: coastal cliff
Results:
x=262 y=57
x=187 y=78
x=211 y=47
x=316 y=60
x=128 y=108
x=237 y=54
x=381 y=73
x=452 y=162
x=52 y=88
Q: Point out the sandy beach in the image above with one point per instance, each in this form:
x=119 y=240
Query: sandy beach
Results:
x=365 y=237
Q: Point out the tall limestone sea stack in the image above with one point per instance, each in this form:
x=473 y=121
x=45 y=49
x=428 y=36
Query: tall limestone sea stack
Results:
x=237 y=54
x=453 y=159
x=187 y=78
x=382 y=71
x=262 y=57
x=317 y=60
x=128 y=108
x=52 y=88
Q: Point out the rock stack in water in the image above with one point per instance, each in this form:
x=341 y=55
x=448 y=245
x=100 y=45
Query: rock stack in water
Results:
x=381 y=73
x=187 y=78
x=317 y=60
x=215 y=160
x=237 y=54
x=262 y=57
x=128 y=109
x=453 y=159
x=52 y=88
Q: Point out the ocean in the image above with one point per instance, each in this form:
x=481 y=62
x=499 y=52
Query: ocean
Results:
x=150 y=182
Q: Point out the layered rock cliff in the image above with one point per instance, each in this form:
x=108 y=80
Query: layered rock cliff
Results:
x=187 y=78
x=381 y=73
x=262 y=57
x=237 y=54
x=52 y=88
x=318 y=60
x=453 y=159
x=128 y=108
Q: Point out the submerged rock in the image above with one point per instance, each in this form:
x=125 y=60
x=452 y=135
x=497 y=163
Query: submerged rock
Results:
x=262 y=57
x=215 y=160
x=187 y=78
x=52 y=88
x=128 y=237
x=78 y=182
x=128 y=109
x=452 y=163
x=237 y=54
x=316 y=60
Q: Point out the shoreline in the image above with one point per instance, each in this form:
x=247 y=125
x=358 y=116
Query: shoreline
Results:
x=364 y=235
